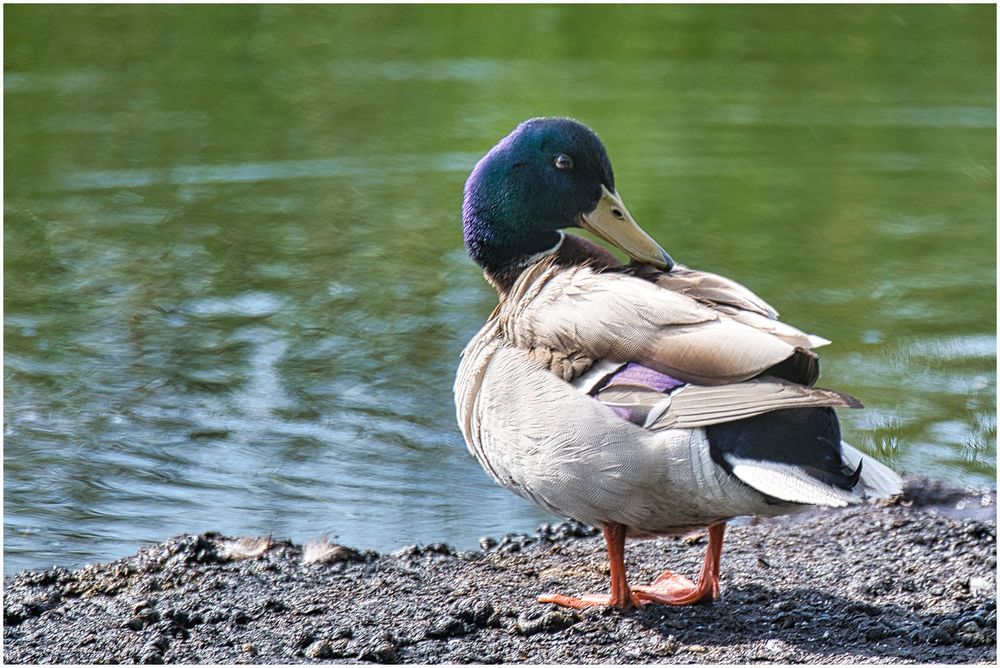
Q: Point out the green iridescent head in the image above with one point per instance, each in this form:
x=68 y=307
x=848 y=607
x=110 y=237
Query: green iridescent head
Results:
x=547 y=175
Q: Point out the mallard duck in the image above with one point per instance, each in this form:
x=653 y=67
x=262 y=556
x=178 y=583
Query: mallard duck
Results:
x=645 y=399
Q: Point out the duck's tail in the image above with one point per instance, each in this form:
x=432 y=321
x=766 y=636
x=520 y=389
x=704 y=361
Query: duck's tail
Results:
x=877 y=480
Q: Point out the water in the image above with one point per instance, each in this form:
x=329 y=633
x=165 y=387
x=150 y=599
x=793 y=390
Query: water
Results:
x=235 y=289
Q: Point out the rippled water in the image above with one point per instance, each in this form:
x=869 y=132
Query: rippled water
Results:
x=235 y=289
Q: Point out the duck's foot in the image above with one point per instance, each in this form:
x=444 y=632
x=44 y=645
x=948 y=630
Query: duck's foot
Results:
x=621 y=596
x=673 y=589
x=591 y=600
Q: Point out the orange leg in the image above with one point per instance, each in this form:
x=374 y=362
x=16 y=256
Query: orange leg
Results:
x=673 y=589
x=621 y=596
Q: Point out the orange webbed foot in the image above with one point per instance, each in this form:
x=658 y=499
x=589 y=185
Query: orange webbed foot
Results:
x=673 y=589
x=592 y=600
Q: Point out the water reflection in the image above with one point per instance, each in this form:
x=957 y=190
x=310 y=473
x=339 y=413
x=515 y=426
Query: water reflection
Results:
x=235 y=291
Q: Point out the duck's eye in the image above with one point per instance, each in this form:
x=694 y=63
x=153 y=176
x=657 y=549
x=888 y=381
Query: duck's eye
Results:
x=564 y=162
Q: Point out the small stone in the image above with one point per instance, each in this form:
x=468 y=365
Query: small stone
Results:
x=877 y=632
x=304 y=639
x=669 y=646
x=381 y=652
x=697 y=649
x=250 y=648
x=948 y=625
x=938 y=636
x=147 y=616
x=217 y=617
x=142 y=605
x=980 y=586
x=322 y=551
x=477 y=613
x=487 y=543
x=327 y=649
x=14 y=614
x=447 y=627
x=321 y=649
x=549 y=623
x=245 y=547
x=969 y=627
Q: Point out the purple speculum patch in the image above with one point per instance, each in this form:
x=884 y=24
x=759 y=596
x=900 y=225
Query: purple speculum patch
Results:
x=637 y=374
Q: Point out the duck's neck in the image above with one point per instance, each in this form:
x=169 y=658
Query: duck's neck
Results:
x=568 y=250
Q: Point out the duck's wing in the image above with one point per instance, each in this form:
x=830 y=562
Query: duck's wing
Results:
x=705 y=287
x=795 y=456
x=729 y=297
x=695 y=406
x=611 y=315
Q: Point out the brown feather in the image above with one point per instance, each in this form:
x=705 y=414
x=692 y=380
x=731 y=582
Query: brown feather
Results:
x=589 y=315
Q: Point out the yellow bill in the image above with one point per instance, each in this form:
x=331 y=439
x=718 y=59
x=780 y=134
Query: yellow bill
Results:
x=611 y=221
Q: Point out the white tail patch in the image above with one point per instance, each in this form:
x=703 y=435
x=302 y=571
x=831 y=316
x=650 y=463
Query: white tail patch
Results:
x=790 y=483
x=879 y=480
x=244 y=548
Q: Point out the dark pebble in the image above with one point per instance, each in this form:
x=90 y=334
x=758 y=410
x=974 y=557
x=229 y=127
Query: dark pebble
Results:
x=380 y=652
x=448 y=627
x=305 y=638
x=878 y=632
x=274 y=605
x=785 y=606
x=217 y=617
x=948 y=625
x=550 y=622
x=938 y=636
x=14 y=614
x=477 y=613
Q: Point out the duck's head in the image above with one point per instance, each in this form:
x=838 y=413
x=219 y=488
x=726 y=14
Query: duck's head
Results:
x=547 y=175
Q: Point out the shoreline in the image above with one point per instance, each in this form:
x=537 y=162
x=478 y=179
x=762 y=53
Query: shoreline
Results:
x=913 y=581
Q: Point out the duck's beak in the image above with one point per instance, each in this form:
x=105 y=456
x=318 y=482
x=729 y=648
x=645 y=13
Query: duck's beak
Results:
x=611 y=221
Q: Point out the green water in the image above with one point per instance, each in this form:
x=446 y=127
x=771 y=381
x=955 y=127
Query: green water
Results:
x=235 y=288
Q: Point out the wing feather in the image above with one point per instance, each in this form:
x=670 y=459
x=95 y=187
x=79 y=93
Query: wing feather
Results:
x=709 y=288
x=700 y=406
x=621 y=317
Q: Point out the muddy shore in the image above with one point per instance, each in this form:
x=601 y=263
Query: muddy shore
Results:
x=914 y=581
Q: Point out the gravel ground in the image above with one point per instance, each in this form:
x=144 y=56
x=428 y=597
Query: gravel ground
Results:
x=914 y=581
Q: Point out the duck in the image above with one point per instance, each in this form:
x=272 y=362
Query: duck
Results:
x=644 y=398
